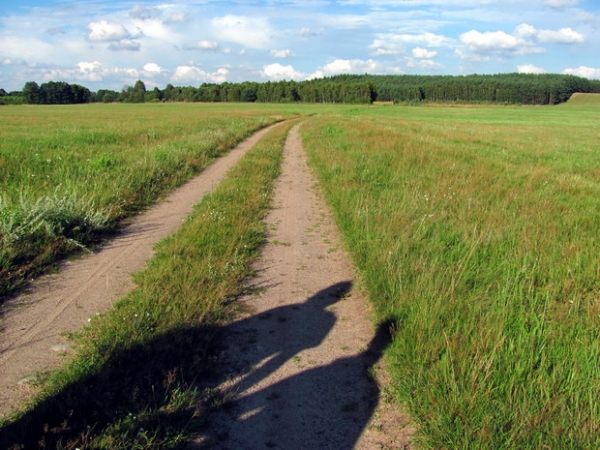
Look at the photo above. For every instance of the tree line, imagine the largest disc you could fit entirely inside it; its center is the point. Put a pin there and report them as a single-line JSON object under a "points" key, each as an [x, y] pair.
{"points": [[529, 89]]}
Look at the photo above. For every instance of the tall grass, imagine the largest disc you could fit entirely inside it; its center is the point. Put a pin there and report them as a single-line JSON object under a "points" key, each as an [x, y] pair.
{"points": [[476, 231], [70, 174], [142, 374]]}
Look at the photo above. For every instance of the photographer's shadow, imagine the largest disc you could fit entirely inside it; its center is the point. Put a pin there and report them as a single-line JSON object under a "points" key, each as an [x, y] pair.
{"points": [[321, 406]]}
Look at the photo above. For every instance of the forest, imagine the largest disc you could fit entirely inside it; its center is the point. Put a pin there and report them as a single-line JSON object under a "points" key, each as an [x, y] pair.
{"points": [[527, 89]]}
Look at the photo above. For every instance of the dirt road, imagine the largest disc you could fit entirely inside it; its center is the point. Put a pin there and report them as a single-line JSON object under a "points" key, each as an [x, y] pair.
{"points": [[297, 361]]}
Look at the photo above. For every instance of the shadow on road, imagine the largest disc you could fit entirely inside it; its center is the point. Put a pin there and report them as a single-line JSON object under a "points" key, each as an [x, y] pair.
{"points": [[320, 405], [137, 388]]}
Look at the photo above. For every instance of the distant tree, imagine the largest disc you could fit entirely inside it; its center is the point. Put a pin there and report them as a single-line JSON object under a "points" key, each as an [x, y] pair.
{"points": [[32, 93], [106, 96], [138, 93]]}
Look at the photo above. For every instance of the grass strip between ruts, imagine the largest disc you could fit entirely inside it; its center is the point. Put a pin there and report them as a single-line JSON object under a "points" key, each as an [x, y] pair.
{"points": [[141, 376]]}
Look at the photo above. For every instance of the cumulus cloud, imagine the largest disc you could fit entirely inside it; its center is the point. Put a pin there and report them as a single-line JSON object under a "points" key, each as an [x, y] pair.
{"points": [[583, 71], [525, 40], [152, 69], [340, 66], [286, 53], [107, 31], [87, 67], [562, 36], [253, 32], [491, 41], [529, 68], [193, 75], [279, 72], [494, 43], [423, 53]]}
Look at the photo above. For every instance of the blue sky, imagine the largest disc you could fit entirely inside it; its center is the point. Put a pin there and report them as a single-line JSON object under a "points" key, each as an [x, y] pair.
{"points": [[111, 44]]}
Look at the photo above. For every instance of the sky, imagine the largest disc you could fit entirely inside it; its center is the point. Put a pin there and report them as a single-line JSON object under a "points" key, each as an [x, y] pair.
{"points": [[110, 44]]}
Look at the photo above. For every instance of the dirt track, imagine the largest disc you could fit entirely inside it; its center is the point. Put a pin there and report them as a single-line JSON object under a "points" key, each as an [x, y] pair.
{"points": [[297, 360], [34, 323]]}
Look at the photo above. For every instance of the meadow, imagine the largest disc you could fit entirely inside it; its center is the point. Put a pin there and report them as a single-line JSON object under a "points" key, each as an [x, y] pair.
{"points": [[476, 231], [473, 229], [69, 175]]}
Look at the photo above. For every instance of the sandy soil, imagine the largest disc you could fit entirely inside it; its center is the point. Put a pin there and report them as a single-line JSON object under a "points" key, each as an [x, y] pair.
{"points": [[33, 324], [297, 361]]}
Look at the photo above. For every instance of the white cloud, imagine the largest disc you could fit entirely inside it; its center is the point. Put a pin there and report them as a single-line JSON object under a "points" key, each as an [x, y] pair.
{"points": [[207, 45], [380, 47], [155, 29], [562, 36], [529, 68], [152, 69], [107, 31], [87, 67], [494, 43], [279, 72], [583, 71], [253, 32], [193, 74], [357, 66], [286, 53], [423, 53], [490, 41]]}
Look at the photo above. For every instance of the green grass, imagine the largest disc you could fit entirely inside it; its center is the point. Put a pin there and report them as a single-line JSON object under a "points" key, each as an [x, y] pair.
{"points": [[142, 374], [476, 231], [68, 175], [473, 228]]}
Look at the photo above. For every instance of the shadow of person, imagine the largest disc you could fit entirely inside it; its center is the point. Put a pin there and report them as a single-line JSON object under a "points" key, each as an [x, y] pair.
{"points": [[257, 346], [321, 407], [139, 387]]}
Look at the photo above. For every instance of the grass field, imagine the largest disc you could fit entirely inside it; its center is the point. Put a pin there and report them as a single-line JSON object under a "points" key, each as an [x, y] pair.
{"points": [[70, 174], [475, 229]]}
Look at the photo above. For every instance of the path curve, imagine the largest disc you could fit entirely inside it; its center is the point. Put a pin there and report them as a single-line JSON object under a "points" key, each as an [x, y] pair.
{"points": [[297, 360], [33, 323]]}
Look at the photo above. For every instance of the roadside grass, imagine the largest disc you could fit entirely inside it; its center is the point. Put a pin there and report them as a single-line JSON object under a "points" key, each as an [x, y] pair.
{"points": [[476, 230], [69, 175], [141, 377]]}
